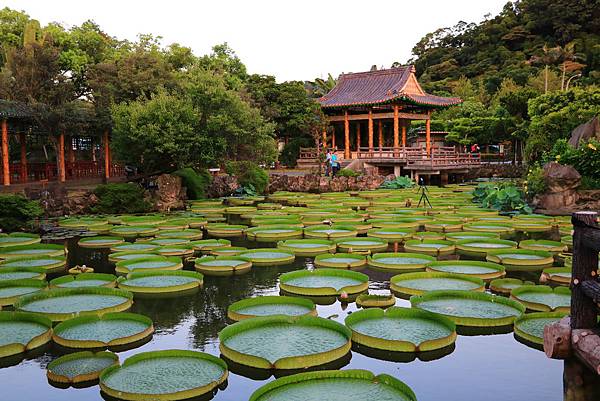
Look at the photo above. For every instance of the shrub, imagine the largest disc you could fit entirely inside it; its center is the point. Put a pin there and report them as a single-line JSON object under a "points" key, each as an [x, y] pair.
{"points": [[588, 182], [585, 159], [398, 183], [249, 174], [535, 183], [195, 183], [291, 151], [16, 212], [120, 198], [505, 197], [346, 172]]}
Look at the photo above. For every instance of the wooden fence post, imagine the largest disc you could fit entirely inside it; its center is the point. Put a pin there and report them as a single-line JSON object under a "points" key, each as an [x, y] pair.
{"points": [[585, 267]]}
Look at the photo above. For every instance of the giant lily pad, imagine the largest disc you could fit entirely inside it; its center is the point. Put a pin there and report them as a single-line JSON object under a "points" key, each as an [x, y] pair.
{"points": [[479, 248], [284, 342], [190, 234], [64, 303], [109, 330], [375, 300], [341, 260], [160, 282], [390, 234], [135, 247], [32, 250], [225, 230], [468, 308], [134, 231], [542, 298], [444, 226], [14, 239], [85, 280], [504, 286], [557, 275], [330, 232], [521, 259], [470, 235], [222, 265], [347, 385], [408, 284], [487, 227], [80, 367], [11, 290], [430, 247], [401, 329], [359, 245], [323, 282], [149, 263], [268, 256], [400, 261], [142, 376], [272, 233], [543, 245], [21, 332], [208, 245], [530, 326], [473, 268], [100, 242], [307, 247], [51, 264], [19, 273], [270, 305], [130, 255]]}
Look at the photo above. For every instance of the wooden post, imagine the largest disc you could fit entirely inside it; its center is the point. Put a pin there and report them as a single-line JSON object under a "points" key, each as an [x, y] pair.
{"points": [[5, 161], [61, 158], [396, 127], [380, 131], [333, 139], [585, 267], [370, 130], [325, 138], [358, 136], [346, 136], [106, 155], [428, 135], [23, 143], [404, 133]]}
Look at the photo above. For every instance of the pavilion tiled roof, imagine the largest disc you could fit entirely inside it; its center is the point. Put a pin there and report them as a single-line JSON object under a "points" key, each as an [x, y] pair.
{"points": [[382, 86]]}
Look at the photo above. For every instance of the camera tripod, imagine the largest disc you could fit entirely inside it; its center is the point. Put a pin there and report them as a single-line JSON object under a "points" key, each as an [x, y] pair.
{"points": [[424, 198]]}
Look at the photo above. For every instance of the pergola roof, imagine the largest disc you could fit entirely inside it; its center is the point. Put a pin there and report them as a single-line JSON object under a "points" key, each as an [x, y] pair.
{"points": [[14, 110], [394, 85]]}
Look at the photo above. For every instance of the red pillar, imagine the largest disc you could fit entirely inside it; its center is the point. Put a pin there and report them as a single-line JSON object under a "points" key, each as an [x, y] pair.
{"points": [[61, 158], [380, 132], [428, 134], [370, 130], [23, 142], [396, 125], [404, 124], [5, 161], [106, 155], [346, 136], [358, 136]]}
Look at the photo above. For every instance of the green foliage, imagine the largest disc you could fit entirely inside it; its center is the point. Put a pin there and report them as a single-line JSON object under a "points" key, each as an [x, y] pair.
{"points": [[585, 159], [505, 197], [16, 212], [535, 183], [291, 151], [120, 198], [249, 175], [588, 182], [398, 183], [346, 172], [195, 183]]}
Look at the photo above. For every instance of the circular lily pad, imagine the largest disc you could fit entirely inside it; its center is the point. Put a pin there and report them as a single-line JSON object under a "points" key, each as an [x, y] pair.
{"points": [[307, 247], [323, 282], [530, 326], [220, 230], [135, 247], [341, 260], [80, 367], [390, 234], [270, 305], [160, 282], [63, 303], [152, 262], [182, 251], [108, 330], [557, 275], [174, 224], [360, 245], [130, 255], [268, 256], [228, 251], [190, 234], [347, 385], [504, 286], [285, 342], [168, 241], [400, 261], [82, 222], [142, 376], [11, 290], [134, 231], [521, 259], [444, 226], [430, 247], [531, 226], [51, 264], [470, 235], [487, 227], [472, 268], [21, 332], [375, 301], [32, 250], [543, 245], [148, 220], [428, 235], [273, 233], [330, 232], [14, 239], [468, 308], [479, 248], [85, 280], [222, 265], [100, 242], [542, 298], [408, 284], [19, 273], [401, 329], [208, 245]]}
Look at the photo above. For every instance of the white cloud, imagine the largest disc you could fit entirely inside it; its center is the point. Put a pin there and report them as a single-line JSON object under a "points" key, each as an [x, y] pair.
{"points": [[291, 39]]}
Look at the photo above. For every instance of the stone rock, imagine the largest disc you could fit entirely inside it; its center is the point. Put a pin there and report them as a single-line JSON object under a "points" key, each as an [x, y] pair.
{"points": [[222, 185], [169, 194], [318, 184], [560, 178]]}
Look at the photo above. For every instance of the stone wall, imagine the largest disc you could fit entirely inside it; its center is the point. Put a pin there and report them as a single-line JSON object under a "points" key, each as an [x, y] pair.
{"points": [[318, 184], [57, 200], [496, 170]]}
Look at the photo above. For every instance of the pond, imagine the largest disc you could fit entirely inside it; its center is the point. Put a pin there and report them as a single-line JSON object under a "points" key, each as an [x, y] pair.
{"points": [[494, 367]]}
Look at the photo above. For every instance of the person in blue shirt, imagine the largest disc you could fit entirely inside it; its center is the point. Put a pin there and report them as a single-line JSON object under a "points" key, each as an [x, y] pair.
{"points": [[334, 165]]}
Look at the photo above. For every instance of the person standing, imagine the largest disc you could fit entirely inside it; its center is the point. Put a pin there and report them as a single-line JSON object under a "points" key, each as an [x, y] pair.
{"points": [[327, 163], [334, 164]]}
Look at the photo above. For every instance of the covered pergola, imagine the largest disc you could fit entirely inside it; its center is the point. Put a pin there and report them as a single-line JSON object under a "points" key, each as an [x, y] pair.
{"points": [[388, 99], [38, 146]]}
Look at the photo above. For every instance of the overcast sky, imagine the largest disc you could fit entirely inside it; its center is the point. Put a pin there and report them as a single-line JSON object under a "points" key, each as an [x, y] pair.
{"points": [[291, 39]]}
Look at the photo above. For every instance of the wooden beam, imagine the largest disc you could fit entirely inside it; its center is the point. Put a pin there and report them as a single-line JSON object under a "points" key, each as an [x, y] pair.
{"points": [[106, 155], [404, 124], [346, 136], [23, 143], [357, 136], [370, 130], [585, 267], [5, 155], [428, 137], [333, 139], [61, 158], [396, 125], [379, 116], [380, 132], [325, 138]]}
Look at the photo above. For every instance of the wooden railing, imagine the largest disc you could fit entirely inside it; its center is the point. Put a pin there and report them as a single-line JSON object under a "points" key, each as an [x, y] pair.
{"points": [[74, 171], [579, 335], [308, 153]]}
